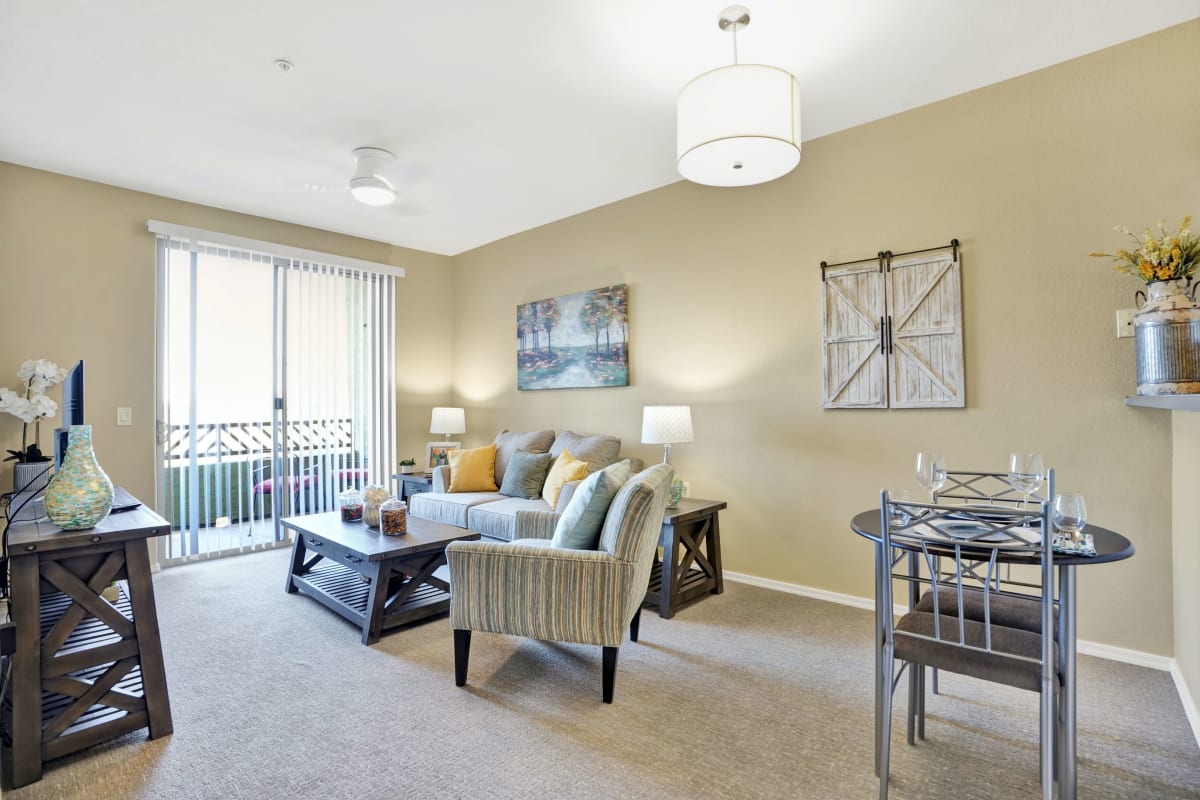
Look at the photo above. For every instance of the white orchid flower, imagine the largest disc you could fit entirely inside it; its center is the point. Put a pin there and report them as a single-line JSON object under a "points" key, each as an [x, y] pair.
{"points": [[22, 408], [41, 370]]}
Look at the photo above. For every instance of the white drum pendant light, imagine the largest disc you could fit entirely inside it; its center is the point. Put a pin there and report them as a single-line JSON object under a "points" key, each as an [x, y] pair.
{"points": [[738, 125]]}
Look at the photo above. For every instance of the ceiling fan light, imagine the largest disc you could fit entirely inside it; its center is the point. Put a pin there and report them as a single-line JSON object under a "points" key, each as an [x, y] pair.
{"points": [[738, 126], [372, 190]]}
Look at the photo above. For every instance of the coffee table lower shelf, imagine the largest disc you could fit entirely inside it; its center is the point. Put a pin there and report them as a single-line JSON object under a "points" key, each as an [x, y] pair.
{"points": [[344, 591]]}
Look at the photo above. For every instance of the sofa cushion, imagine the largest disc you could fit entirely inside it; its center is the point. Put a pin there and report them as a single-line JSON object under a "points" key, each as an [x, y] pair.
{"points": [[597, 451], [473, 470], [566, 468], [579, 526], [508, 443], [497, 519], [449, 508], [526, 474]]}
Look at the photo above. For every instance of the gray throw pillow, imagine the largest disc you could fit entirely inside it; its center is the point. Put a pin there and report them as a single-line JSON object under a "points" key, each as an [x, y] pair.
{"points": [[525, 475], [597, 451], [508, 443]]}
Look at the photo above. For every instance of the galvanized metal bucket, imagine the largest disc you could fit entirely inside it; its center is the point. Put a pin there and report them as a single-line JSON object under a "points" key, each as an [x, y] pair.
{"points": [[1166, 333]]}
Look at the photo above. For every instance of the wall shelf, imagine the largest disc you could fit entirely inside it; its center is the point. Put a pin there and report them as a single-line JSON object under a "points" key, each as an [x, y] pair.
{"points": [[1171, 402]]}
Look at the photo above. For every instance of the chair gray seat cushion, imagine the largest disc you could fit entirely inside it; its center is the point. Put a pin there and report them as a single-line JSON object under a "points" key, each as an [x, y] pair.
{"points": [[498, 519], [450, 508], [947, 655], [1024, 613]]}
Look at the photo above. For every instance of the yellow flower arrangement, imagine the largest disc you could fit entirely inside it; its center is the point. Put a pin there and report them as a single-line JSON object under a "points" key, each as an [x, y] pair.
{"points": [[1165, 257]]}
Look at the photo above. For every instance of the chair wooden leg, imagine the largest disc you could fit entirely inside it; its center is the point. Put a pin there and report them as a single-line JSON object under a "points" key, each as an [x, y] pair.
{"points": [[610, 672], [634, 624], [462, 651]]}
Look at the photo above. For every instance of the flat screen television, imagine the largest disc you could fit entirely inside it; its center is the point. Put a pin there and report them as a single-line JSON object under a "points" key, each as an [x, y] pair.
{"points": [[72, 411]]}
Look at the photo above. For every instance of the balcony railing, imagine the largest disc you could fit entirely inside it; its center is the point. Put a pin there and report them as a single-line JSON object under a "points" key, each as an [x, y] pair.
{"points": [[234, 479]]}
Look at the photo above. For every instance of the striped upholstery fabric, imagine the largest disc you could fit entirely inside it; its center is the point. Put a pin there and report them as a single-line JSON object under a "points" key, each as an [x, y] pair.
{"points": [[449, 508], [535, 525], [497, 519], [581, 596]]}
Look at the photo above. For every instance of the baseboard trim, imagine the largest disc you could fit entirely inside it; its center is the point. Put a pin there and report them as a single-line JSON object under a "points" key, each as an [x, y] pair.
{"points": [[1097, 649], [1185, 697], [803, 591], [1108, 651], [1124, 655]]}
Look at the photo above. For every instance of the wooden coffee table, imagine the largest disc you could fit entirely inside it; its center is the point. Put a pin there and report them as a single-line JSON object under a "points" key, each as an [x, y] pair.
{"points": [[331, 557]]}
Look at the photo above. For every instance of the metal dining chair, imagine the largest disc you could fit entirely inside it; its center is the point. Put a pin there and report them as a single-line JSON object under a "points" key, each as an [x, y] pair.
{"points": [[967, 613]]}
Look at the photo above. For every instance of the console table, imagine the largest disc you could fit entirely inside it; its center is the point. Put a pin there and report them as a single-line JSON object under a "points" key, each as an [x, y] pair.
{"points": [[84, 669], [690, 567]]}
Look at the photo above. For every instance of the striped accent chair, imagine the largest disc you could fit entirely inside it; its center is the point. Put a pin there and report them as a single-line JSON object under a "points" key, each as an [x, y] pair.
{"points": [[528, 588]]}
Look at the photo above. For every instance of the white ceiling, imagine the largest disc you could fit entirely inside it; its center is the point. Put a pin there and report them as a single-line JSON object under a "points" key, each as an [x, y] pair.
{"points": [[504, 115]]}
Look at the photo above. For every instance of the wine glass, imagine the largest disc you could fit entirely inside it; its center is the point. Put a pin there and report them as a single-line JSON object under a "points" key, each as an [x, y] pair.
{"points": [[931, 473], [1070, 515], [1026, 473], [898, 515]]}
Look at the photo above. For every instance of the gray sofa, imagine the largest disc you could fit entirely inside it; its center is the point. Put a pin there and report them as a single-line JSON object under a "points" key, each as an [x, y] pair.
{"points": [[497, 516]]}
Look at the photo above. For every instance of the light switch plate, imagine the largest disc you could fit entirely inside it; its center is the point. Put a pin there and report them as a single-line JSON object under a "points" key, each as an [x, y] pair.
{"points": [[124, 415], [687, 489], [1125, 322]]}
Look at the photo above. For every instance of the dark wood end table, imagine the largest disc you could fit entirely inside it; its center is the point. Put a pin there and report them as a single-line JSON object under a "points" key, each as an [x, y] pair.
{"points": [[329, 556], [84, 669], [413, 483], [690, 567]]}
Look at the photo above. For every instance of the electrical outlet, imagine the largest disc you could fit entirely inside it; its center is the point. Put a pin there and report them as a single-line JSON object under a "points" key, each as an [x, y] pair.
{"points": [[124, 415], [687, 489], [1125, 322]]}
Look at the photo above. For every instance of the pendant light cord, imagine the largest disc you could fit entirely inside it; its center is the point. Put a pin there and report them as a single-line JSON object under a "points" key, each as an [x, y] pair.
{"points": [[735, 54]]}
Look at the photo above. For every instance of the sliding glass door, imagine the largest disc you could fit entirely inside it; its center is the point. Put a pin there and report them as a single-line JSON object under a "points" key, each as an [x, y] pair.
{"points": [[276, 392]]}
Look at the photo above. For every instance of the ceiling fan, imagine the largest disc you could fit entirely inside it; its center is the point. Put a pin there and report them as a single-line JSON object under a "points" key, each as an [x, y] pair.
{"points": [[371, 183]]}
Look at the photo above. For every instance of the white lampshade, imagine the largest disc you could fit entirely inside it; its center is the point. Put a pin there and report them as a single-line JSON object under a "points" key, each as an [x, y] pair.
{"points": [[739, 125], [666, 424], [448, 420]]}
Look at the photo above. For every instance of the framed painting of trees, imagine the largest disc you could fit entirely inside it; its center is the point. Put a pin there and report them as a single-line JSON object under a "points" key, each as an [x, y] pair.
{"points": [[574, 340]]}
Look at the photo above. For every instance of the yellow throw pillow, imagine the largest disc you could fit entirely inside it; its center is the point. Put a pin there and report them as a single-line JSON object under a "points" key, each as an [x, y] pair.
{"points": [[473, 470], [566, 468]]}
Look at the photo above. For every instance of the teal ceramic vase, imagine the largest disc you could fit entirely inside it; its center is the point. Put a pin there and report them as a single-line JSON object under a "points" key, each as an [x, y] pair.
{"points": [[79, 494]]}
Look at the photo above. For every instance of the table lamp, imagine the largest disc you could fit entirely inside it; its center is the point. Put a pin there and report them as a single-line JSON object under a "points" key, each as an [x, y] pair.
{"points": [[448, 421], [668, 425]]}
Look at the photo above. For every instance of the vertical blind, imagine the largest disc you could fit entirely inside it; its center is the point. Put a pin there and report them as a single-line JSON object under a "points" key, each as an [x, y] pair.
{"points": [[276, 384]]}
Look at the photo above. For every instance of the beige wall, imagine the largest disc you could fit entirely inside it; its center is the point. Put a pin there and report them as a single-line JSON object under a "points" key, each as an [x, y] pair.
{"points": [[77, 276], [1030, 175], [1186, 546]]}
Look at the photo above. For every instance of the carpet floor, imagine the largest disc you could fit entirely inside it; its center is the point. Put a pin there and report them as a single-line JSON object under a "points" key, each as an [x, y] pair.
{"points": [[752, 694]]}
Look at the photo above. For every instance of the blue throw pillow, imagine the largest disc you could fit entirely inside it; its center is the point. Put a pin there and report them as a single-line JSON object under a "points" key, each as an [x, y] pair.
{"points": [[579, 526]]}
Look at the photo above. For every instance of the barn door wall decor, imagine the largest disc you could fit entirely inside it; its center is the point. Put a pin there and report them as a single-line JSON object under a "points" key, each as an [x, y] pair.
{"points": [[892, 331]]}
